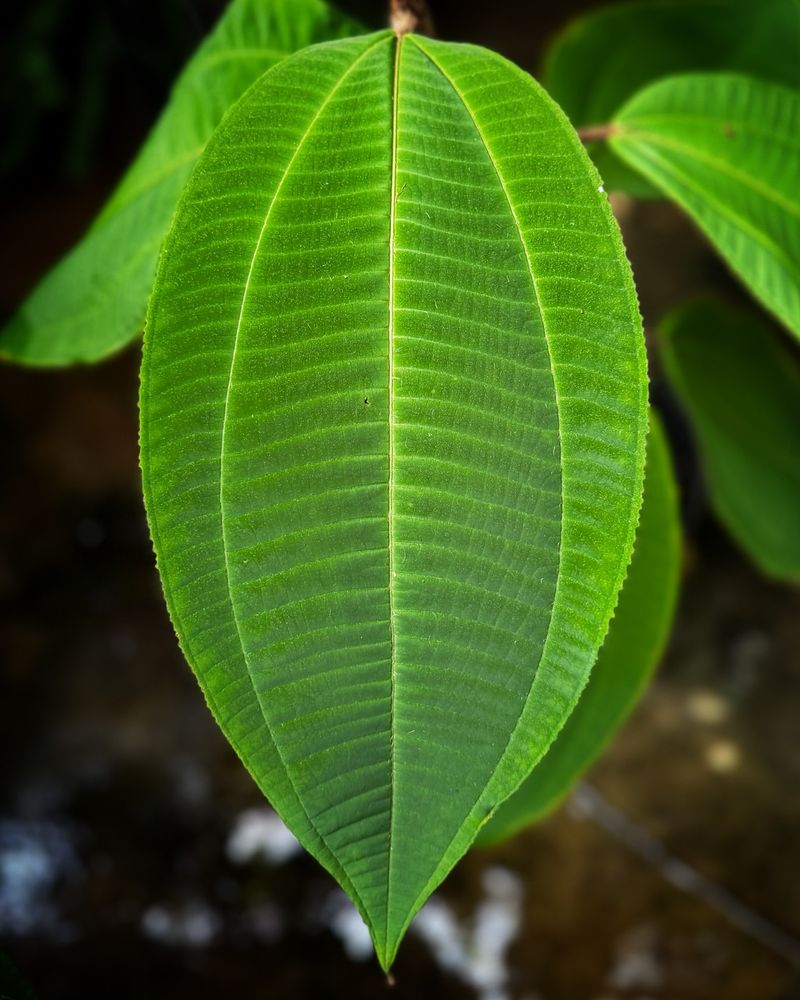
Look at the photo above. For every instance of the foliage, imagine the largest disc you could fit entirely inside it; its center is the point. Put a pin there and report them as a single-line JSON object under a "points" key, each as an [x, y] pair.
{"points": [[94, 301], [727, 149], [603, 58], [394, 397], [742, 390]]}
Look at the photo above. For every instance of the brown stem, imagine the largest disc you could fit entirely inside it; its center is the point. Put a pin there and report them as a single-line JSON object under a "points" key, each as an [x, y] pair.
{"points": [[406, 16], [596, 133]]}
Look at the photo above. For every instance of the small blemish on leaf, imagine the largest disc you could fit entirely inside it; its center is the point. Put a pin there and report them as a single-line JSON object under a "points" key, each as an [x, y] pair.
{"points": [[366, 401], [729, 132]]}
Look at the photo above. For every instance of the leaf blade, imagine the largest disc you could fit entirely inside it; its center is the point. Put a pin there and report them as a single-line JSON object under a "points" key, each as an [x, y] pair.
{"points": [[742, 391], [726, 149], [378, 368], [93, 302], [631, 651]]}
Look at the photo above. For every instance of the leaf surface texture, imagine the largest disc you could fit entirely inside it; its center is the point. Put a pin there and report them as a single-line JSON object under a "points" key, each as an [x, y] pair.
{"points": [[630, 653], [393, 427]]}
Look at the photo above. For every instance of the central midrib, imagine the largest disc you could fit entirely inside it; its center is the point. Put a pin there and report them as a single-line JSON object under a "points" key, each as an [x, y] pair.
{"points": [[390, 480]]}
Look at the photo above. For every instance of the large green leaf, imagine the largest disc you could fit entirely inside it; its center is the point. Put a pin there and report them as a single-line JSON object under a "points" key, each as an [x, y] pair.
{"points": [[742, 391], [94, 301], [727, 149], [633, 647], [603, 58], [393, 427]]}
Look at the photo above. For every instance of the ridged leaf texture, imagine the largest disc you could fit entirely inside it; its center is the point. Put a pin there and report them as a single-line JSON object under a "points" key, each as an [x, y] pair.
{"points": [[631, 651], [727, 150], [741, 388], [393, 429], [603, 58], [94, 301]]}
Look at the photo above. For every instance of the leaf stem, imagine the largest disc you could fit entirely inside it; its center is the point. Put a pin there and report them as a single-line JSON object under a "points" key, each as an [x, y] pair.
{"points": [[406, 16], [597, 133]]}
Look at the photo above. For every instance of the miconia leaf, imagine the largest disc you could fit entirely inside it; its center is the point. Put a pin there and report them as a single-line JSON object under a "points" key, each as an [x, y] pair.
{"points": [[634, 644], [727, 150], [393, 428], [601, 59], [742, 391], [94, 301]]}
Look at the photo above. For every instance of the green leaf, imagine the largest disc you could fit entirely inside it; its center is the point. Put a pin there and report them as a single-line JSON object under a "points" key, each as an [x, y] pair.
{"points": [[630, 653], [393, 427], [94, 301], [727, 150], [600, 60], [742, 391]]}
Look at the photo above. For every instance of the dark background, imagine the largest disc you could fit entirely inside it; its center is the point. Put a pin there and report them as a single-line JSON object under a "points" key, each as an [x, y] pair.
{"points": [[119, 795]]}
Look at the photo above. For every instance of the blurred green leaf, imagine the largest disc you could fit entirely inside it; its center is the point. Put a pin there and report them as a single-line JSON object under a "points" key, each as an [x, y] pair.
{"points": [[742, 391], [393, 418], [632, 649], [93, 302], [603, 58], [727, 150]]}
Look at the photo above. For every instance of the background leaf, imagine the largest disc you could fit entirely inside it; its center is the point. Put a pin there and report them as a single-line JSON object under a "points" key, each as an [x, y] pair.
{"points": [[93, 302], [630, 653], [393, 428], [742, 391], [727, 150], [602, 59]]}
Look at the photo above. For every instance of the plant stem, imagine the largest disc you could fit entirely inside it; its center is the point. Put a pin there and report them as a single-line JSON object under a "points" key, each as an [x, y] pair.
{"points": [[406, 16], [596, 133]]}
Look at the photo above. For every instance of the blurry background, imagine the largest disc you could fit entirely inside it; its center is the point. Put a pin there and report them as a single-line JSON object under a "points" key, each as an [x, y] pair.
{"points": [[136, 857]]}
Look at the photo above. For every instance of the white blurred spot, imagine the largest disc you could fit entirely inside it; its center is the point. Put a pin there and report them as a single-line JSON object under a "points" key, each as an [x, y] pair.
{"points": [[260, 833], [601, 189], [346, 923], [194, 925], [476, 951], [34, 859]]}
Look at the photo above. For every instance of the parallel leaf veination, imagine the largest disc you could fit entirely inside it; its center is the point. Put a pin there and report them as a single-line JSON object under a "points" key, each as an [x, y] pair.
{"points": [[374, 515]]}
